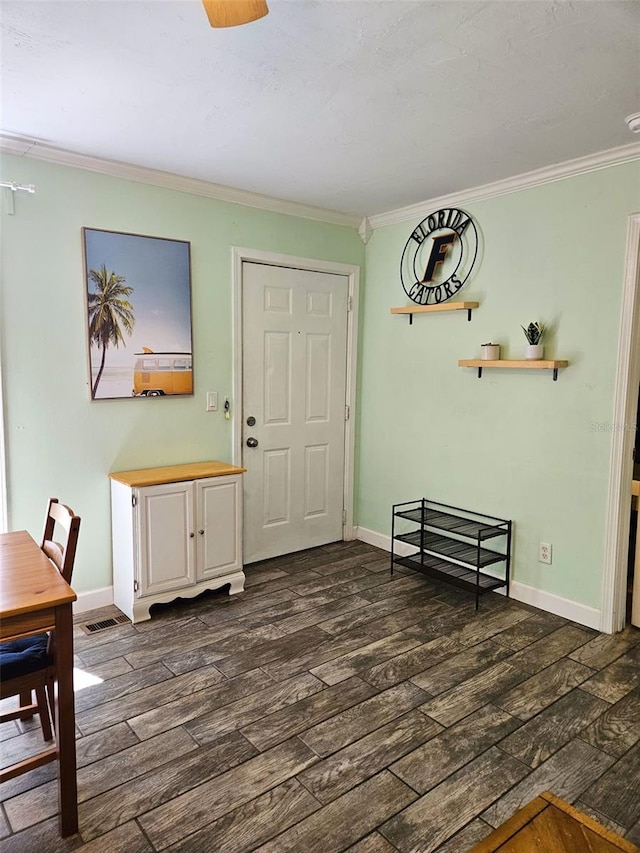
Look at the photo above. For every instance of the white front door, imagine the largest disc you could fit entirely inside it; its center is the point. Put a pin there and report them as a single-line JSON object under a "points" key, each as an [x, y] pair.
{"points": [[294, 378]]}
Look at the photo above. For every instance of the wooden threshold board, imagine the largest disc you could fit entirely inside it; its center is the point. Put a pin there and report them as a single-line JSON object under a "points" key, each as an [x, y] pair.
{"points": [[549, 823]]}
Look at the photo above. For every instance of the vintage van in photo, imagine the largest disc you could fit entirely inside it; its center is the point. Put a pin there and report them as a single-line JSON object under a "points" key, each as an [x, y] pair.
{"points": [[156, 374]]}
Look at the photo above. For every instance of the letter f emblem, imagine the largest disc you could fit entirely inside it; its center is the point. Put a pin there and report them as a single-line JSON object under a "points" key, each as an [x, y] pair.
{"points": [[439, 248]]}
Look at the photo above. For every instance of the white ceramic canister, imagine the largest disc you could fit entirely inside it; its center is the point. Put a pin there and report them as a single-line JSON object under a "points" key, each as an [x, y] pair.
{"points": [[490, 352]]}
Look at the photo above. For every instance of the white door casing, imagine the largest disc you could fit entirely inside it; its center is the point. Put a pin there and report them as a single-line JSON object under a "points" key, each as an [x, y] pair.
{"points": [[298, 489], [3, 460], [616, 548]]}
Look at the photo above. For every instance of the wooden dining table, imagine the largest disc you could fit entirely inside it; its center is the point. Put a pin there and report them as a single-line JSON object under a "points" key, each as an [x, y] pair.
{"points": [[35, 598]]}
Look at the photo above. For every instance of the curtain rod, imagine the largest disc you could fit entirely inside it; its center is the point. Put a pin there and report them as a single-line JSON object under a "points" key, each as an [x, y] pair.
{"points": [[11, 185]]}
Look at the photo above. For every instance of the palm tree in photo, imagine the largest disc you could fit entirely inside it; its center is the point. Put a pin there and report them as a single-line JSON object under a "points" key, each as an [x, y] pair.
{"points": [[109, 313]]}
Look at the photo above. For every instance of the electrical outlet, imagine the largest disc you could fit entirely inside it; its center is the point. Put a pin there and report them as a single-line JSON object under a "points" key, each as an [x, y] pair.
{"points": [[544, 552]]}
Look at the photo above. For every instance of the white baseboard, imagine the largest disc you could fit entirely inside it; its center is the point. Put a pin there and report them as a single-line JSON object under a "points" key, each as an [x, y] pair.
{"points": [[556, 604], [379, 540], [93, 599], [565, 607]]}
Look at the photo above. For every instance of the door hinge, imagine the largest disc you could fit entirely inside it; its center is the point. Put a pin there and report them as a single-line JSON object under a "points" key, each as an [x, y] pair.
{"points": [[344, 516], [349, 303], [136, 586], [134, 500], [347, 412]]}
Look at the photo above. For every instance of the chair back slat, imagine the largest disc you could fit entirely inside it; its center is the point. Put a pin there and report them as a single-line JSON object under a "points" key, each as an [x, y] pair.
{"points": [[61, 518]]}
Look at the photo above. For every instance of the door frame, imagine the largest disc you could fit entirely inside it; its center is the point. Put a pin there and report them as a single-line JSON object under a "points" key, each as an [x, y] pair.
{"points": [[3, 459], [616, 549], [352, 273]]}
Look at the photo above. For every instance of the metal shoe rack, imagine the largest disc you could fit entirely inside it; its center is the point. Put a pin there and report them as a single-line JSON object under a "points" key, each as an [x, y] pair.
{"points": [[450, 543]]}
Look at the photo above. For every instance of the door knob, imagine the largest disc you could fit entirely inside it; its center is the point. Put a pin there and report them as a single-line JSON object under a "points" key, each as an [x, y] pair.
{"points": [[252, 442]]}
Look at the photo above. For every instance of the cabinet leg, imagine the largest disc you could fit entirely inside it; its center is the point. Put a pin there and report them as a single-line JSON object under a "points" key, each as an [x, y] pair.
{"points": [[236, 585], [141, 611]]}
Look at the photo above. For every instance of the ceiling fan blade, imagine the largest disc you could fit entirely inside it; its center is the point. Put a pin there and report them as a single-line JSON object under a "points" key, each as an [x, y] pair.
{"points": [[232, 13]]}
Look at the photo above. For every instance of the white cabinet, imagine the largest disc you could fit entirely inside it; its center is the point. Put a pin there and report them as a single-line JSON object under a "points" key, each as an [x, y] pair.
{"points": [[175, 537]]}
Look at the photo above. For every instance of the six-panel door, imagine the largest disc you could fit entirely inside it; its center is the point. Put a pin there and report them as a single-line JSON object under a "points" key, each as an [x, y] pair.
{"points": [[294, 386]]}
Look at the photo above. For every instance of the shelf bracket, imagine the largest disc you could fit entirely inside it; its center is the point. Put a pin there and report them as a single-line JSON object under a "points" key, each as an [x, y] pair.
{"points": [[479, 373], [469, 313]]}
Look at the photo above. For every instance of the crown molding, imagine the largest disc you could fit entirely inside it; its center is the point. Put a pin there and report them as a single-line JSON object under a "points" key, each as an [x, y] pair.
{"points": [[41, 151], [25, 147], [365, 230], [536, 178]]}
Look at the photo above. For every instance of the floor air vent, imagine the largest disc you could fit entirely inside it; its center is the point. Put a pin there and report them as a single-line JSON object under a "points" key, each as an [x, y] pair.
{"points": [[94, 627]]}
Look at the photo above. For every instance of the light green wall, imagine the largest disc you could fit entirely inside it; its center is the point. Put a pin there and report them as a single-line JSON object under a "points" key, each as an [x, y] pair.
{"points": [[513, 444], [60, 443]]}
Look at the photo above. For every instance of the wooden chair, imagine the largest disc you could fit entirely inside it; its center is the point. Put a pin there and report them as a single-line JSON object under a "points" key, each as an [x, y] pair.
{"points": [[27, 665]]}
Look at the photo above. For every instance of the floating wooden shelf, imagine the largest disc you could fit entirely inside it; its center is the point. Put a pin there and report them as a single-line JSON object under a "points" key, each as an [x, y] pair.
{"points": [[520, 364], [428, 309]]}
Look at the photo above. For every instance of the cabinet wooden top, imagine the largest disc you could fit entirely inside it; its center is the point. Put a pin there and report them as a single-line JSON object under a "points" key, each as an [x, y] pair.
{"points": [[175, 473]]}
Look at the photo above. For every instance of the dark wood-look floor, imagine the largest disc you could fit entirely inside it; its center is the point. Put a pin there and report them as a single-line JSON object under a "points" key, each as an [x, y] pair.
{"points": [[332, 708]]}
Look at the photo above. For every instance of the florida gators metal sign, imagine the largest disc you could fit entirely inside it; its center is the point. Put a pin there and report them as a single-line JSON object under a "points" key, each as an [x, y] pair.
{"points": [[438, 256]]}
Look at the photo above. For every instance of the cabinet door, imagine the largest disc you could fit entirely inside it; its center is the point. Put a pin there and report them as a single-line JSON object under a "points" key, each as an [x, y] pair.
{"points": [[166, 544], [218, 501]]}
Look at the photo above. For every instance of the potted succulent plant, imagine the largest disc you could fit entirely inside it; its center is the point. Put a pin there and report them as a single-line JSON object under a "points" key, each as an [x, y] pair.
{"points": [[534, 333]]}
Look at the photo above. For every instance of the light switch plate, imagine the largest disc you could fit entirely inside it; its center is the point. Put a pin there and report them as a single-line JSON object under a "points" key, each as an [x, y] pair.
{"points": [[212, 401]]}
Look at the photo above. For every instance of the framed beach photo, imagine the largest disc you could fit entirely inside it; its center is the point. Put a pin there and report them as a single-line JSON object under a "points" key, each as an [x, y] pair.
{"points": [[138, 297]]}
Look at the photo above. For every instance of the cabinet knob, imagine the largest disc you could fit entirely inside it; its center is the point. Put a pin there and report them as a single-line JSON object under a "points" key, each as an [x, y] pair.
{"points": [[191, 535], [201, 532]]}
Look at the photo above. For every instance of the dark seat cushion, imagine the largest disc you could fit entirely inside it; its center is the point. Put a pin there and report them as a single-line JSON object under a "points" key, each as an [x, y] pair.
{"points": [[20, 657]]}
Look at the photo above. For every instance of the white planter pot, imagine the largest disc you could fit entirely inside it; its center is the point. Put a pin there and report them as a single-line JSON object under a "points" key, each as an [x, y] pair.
{"points": [[534, 352], [490, 352]]}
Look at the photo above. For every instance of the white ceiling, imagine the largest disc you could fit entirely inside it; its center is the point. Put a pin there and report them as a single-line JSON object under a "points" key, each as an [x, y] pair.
{"points": [[357, 106]]}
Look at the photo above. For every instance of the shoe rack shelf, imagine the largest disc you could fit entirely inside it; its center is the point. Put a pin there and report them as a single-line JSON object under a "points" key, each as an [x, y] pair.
{"points": [[451, 544]]}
